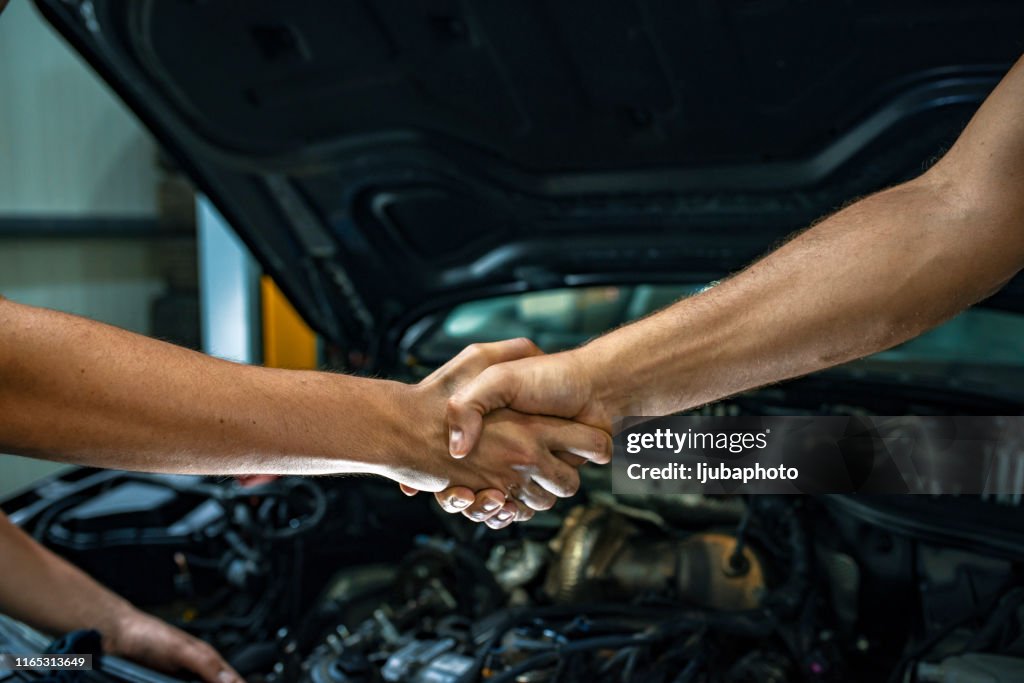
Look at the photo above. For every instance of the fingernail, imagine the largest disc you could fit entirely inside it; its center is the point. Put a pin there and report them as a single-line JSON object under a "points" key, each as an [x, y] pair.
{"points": [[458, 503], [504, 515], [226, 677], [455, 441], [491, 505]]}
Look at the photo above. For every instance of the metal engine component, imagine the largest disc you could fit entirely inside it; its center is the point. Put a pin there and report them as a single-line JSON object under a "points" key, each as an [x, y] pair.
{"points": [[427, 661], [515, 565], [599, 554], [608, 592]]}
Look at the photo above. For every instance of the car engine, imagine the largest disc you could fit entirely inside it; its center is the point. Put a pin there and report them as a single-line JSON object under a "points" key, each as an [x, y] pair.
{"points": [[347, 581]]}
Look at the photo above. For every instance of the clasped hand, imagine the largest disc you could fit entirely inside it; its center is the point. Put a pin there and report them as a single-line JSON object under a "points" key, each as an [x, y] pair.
{"points": [[519, 425]]}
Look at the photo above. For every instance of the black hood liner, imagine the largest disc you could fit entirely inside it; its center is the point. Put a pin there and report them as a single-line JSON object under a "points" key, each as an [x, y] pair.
{"points": [[386, 158]]}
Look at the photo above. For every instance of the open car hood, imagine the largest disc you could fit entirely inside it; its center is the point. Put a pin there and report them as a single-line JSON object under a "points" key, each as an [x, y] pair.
{"points": [[382, 159]]}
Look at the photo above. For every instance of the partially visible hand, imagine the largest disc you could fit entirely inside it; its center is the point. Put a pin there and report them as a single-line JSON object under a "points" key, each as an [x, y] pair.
{"points": [[151, 642], [552, 447], [557, 385], [471, 361]]}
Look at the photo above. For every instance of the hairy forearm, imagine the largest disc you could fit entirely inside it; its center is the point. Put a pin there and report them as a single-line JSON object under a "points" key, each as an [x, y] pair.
{"points": [[875, 274], [50, 594], [83, 392]]}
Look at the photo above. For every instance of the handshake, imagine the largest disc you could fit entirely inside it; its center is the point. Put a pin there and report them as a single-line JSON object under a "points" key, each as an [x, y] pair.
{"points": [[518, 424]]}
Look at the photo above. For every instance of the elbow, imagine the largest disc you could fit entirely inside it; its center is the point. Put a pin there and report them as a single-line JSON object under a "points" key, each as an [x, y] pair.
{"points": [[976, 236], [982, 221]]}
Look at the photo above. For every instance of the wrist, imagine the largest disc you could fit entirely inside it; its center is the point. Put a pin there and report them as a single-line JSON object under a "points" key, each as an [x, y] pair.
{"points": [[116, 623], [418, 429], [370, 425], [600, 362]]}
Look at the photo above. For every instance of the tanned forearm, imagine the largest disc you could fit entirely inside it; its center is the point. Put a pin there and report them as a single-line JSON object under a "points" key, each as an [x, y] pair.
{"points": [[83, 392], [50, 594], [875, 274], [78, 391]]}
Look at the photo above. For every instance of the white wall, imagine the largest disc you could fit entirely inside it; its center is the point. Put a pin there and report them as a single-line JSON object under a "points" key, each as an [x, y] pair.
{"points": [[109, 280], [68, 148], [67, 145]]}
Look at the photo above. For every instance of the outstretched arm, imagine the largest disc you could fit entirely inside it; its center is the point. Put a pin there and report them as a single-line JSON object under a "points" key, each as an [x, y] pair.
{"points": [[76, 390], [875, 274], [48, 593]]}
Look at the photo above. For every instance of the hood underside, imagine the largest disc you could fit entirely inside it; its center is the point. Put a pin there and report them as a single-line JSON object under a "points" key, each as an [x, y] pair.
{"points": [[382, 159]]}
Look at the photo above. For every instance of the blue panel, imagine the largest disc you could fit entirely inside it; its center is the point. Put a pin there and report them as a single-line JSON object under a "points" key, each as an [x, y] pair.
{"points": [[228, 289]]}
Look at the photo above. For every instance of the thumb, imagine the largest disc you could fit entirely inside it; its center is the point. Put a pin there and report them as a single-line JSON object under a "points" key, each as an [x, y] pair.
{"points": [[408, 490], [476, 358], [493, 388]]}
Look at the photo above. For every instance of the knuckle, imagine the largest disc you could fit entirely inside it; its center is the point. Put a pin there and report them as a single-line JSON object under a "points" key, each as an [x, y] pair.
{"points": [[527, 344], [496, 374], [207, 658], [523, 459]]}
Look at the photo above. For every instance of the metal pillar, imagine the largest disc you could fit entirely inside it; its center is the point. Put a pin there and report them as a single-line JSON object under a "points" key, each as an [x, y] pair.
{"points": [[228, 289]]}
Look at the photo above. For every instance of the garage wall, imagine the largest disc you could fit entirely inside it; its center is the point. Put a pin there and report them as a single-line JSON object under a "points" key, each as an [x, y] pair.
{"points": [[69, 152], [67, 145], [109, 280]]}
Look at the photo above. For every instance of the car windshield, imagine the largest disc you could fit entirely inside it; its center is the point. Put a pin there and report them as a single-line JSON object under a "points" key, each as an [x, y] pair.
{"points": [[978, 339]]}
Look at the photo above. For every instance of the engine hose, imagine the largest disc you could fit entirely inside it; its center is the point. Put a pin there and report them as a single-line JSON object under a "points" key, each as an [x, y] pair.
{"points": [[285, 488], [546, 658], [515, 616], [753, 624]]}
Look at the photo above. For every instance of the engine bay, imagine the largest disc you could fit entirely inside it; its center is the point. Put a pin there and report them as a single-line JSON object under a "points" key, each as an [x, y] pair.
{"points": [[336, 580]]}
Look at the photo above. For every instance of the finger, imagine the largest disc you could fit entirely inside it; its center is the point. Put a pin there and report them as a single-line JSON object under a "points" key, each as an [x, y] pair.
{"points": [[476, 358], [525, 514], [408, 490], [229, 675], [488, 504], [455, 498], [203, 660], [536, 497], [570, 459], [556, 477], [594, 445], [505, 516], [493, 388]]}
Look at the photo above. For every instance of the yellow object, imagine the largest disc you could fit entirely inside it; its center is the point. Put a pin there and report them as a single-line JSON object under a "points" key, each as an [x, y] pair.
{"points": [[288, 342]]}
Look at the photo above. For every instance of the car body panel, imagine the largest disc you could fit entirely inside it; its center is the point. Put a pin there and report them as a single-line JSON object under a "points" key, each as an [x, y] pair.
{"points": [[383, 160]]}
